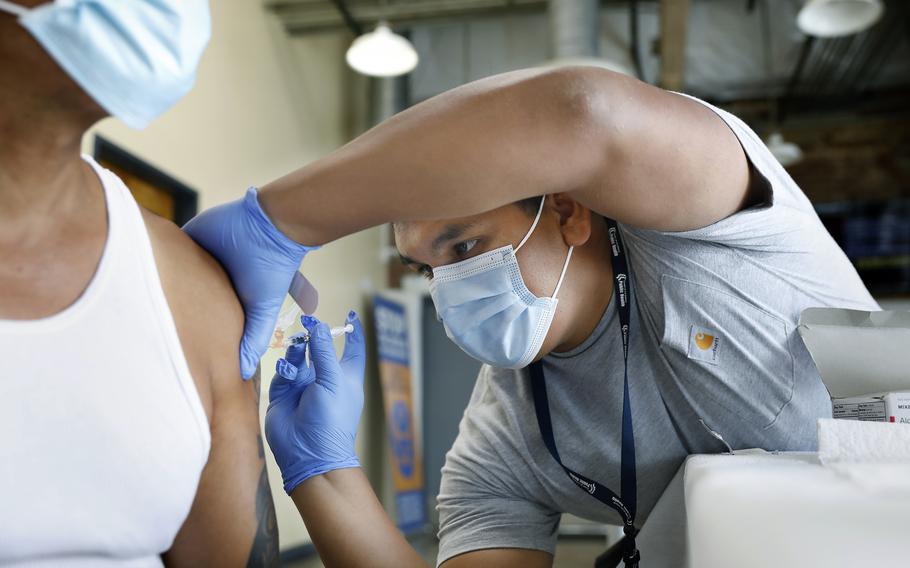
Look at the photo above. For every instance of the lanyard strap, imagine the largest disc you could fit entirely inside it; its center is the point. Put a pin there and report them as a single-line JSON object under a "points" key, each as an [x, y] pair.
{"points": [[625, 504]]}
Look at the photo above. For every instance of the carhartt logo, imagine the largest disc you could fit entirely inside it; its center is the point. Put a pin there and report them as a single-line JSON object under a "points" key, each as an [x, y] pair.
{"points": [[704, 341], [704, 345]]}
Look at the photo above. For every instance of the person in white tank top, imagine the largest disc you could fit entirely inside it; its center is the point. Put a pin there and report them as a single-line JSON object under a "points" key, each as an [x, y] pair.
{"points": [[128, 437]]}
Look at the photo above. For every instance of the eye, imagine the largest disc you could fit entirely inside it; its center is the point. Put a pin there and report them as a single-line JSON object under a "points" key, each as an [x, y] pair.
{"points": [[464, 247], [424, 270]]}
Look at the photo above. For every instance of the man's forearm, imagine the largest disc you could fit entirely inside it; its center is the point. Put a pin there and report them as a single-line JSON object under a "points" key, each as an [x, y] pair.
{"points": [[348, 525], [469, 150]]}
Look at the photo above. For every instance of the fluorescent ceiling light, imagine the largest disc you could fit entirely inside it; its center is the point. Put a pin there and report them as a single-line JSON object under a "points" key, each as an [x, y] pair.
{"points": [[382, 53], [833, 18], [787, 153]]}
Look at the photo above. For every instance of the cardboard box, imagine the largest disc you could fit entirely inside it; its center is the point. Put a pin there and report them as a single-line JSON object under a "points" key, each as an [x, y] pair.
{"points": [[863, 359]]}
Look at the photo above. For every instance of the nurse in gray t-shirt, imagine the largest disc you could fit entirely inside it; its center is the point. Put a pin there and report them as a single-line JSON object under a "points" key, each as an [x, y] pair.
{"points": [[501, 192], [713, 318]]}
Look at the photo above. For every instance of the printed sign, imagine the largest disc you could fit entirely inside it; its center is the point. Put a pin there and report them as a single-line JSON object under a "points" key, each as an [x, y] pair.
{"points": [[395, 374]]}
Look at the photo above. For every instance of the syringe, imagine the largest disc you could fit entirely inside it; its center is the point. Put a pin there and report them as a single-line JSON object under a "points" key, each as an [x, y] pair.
{"points": [[304, 336]]}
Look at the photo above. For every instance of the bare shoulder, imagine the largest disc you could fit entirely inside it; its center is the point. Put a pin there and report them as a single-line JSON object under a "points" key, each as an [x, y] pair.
{"points": [[232, 520], [206, 311]]}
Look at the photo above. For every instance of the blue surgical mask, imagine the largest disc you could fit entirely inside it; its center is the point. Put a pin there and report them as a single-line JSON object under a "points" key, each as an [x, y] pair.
{"points": [[136, 58], [487, 309]]}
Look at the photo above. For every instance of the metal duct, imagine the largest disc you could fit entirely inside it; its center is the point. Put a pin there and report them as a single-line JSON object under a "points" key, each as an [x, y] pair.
{"points": [[575, 28]]}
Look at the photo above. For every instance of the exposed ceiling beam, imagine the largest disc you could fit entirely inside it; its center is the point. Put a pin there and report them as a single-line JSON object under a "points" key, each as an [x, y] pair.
{"points": [[674, 19], [304, 16], [348, 18]]}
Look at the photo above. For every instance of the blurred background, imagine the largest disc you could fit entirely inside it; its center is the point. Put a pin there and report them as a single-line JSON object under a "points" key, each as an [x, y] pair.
{"points": [[283, 82]]}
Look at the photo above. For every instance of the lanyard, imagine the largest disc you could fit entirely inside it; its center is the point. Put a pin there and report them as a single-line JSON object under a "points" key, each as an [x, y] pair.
{"points": [[625, 504]]}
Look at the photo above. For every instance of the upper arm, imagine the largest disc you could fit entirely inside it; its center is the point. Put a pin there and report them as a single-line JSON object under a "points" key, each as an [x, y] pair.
{"points": [[232, 519], [501, 558], [668, 162], [478, 523], [491, 507]]}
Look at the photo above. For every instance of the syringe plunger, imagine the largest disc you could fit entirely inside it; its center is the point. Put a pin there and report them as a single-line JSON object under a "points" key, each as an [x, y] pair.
{"points": [[304, 336]]}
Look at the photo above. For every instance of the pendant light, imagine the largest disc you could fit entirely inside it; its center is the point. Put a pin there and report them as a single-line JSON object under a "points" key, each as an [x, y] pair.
{"points": [[382, 53], [787, 153], [834, 18]]}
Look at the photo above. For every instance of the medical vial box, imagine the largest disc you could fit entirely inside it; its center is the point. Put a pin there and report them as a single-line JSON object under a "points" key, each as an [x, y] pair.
{"points": [[887, 407]]}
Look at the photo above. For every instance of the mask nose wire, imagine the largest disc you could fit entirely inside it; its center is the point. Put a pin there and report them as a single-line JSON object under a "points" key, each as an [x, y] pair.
{"points": [[12, 8]]}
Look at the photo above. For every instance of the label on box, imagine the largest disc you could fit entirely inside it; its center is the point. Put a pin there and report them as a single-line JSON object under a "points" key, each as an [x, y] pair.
{"points": [[885, 407], [859, 409]]}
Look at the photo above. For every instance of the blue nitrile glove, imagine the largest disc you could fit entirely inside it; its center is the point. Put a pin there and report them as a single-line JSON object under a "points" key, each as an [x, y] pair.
{"points": [[260, 260], [313, 411]]}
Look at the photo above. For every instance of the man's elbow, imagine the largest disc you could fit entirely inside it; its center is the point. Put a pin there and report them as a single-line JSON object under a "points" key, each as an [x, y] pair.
{"points": [[584, 91], [585, 123]]}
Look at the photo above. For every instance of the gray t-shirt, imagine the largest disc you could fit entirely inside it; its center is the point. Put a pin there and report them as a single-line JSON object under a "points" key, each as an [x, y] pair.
{"points": [[714, 314]]}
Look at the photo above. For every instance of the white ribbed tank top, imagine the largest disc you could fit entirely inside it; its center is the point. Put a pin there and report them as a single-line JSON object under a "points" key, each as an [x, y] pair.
{"points": [[102, 433]]}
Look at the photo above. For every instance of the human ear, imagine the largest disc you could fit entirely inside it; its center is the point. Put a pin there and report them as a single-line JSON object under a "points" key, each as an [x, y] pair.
{"points": [[574, 219]]}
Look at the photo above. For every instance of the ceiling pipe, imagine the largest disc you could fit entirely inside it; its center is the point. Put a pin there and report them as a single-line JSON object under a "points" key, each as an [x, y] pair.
{"points": [[575, 35], [575, 27], [633, 40]]}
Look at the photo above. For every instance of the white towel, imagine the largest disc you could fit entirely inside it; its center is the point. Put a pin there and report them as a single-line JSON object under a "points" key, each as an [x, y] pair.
{"points": [[854, 441], [873, 455]]}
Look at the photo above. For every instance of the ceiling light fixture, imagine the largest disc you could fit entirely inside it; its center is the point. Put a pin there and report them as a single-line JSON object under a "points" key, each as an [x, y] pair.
{"points": [[787, 153], [834, 18], [382, 53]]}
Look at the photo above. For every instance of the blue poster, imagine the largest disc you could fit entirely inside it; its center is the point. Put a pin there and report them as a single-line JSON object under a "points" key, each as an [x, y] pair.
{"points": [[395, 374]]}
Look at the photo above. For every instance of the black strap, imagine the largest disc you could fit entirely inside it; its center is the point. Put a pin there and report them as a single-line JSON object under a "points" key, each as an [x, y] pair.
{"points": [[620, 551], [625, 504]]}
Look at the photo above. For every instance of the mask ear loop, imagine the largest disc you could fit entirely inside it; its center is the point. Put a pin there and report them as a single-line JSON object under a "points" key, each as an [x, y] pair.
{"points": [[12, 8], [562, 275], [565, 266], [527, 236]]}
